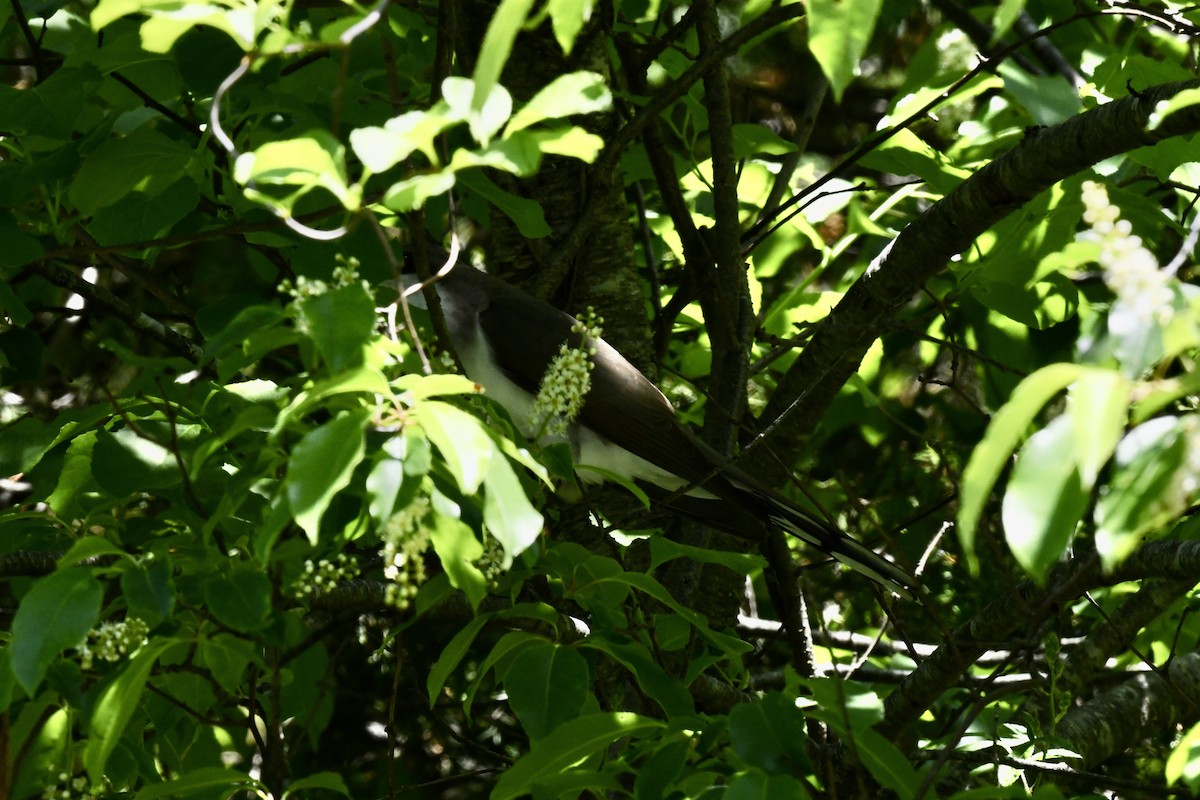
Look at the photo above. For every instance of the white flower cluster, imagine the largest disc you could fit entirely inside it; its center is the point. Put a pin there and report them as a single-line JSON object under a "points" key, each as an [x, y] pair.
{"points": [[566, 383], [344, 274], [69, 788], [1130, 270], [325, 574], [405, 539], [112, 641], [491, 563]]}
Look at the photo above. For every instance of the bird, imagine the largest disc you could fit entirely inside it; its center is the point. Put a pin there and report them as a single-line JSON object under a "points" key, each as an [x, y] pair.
{"points": [[505, 340]]}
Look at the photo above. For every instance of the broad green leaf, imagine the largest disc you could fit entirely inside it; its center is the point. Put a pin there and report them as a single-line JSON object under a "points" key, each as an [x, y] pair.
{"points": [[1165, 108], [322, 464], [507, 512], [315, 160], [458, 548], [838, 33], [1005, 431], [412, 193], [526, 214], [462, 440], [115, 707], [145, 160], [240, 597], [506, 23], [149, 589], [1147, 489], [330, 781], [567, 18], [573, 741], [380, 149], [1184, 761], [17, 248], [887, 764], [451, 656], [665, 690], [1045, 499], [565, 96], [140, 216], [87, 547], [547, 686], [751, 139], [906, 154], [756, 785], [661, 769], [422, 387], [128, 461], [1005, 15], [56, 613], [1048, 98], [226, 658], [75, 477], [1097, 405], [663, 550], [573, 142], [205, 779], [485, 119], [383, 486], [340, 322], [509, 644], [770, 734]]}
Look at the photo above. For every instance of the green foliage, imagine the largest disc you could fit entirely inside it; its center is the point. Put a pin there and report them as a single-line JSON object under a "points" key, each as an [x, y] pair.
{"points": [[255, 539]]}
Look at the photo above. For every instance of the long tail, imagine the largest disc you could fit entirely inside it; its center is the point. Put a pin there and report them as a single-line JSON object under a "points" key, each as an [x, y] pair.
{"points": [[833, 542]]}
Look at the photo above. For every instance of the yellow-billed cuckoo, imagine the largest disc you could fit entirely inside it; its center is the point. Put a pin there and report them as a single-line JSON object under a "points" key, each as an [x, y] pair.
{"points": [[506, 339]]}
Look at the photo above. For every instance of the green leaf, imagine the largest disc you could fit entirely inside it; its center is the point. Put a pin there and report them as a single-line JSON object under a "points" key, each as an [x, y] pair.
{"points": [[205, 779], [458, 548], [567, 18], [145, 160], [547, 685], [1146, 491], [17, 248], [380, 149], [770, 734], [315, 160], [1004, 432], [526, 214], [484, 119], [453, 653], [1098, 404], [1045, 499], [1165, 108], [330, 781], [240, 598], [149, 589], [1005, 15], [573, 741], [887, 764], [750, 139], [755, 785], [412, 193], [565, 96], [462, 440], [56, 613], [838, 33], [127, 461], [341, 323], [115, 707], [656, 684], [502, 31], [507, 512], [1184, 761], [573, 142], [322, 464], [509, 643]]}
